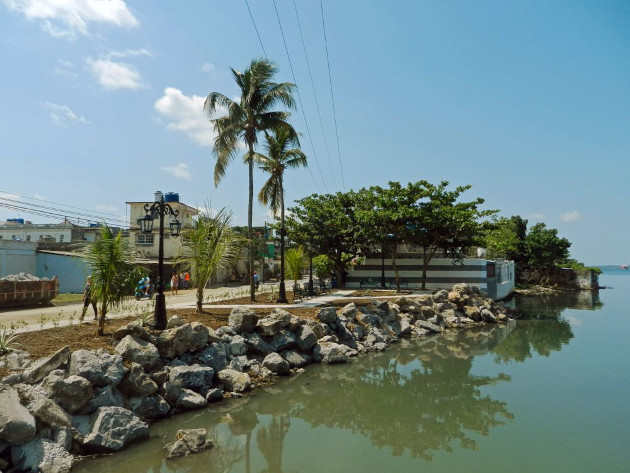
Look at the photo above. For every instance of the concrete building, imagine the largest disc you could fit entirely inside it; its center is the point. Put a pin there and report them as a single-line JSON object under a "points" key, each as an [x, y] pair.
{"points": [[20, 230]]}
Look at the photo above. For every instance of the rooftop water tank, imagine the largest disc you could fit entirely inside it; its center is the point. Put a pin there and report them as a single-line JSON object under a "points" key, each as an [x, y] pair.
{"points": [[15, 220], [171, 197]]}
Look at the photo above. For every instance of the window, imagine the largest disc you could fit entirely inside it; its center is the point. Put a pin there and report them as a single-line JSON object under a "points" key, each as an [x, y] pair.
{"points": [[144, 238], [60, 238], [28, 238]]}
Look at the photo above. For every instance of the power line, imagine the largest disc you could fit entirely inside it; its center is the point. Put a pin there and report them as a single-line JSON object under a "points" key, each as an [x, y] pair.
{"points": [[308, 130], [319, 113], [331, 94], [255, 28]]}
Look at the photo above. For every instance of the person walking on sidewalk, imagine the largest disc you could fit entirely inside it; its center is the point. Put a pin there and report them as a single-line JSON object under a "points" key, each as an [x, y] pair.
{"points": [[174, 283], [88, 299]]}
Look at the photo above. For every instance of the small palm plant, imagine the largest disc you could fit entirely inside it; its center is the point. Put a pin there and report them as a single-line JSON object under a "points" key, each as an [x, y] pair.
{"points": [[7, 340], [295, 260]]}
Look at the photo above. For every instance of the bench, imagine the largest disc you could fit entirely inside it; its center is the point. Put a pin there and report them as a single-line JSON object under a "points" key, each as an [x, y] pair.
{"points": [[369, 283], [298, 292], [323, 289]]}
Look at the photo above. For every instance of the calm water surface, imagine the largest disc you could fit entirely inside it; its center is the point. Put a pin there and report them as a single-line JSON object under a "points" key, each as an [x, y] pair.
{"points": [[548, 394]]}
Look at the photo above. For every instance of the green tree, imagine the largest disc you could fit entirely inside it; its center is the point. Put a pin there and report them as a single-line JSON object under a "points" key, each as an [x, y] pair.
{"points": [[243, 121], [501, 238], [328, 222], [295, 260], [282, 153], [544, 249], [323, 267], [113, 273], [208, 246]]}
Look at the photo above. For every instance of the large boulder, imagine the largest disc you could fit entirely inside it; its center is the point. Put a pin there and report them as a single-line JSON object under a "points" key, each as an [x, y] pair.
{"points": [[107, 396], [39, 369], [193, 377], [17, 425], [329, 353], [49, 412], [72, 393], [42, 455], [276, 364], [212, 355], [177, 341], [306, 338], [99, 367], [137, 382], [282, 341], [273, 323], [148, 407], [327, 315], [137, 350], [188, 441], [235, 381], [112, 428], [242, 319]]}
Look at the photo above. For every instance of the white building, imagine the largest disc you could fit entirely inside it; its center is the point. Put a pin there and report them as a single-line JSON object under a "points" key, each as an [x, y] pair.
{"points": [[20, 230]]}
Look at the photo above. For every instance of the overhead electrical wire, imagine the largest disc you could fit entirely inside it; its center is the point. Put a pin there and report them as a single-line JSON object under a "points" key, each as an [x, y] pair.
{"points": [[311, 140], [308, 130], [332, 96], [319, 113]]}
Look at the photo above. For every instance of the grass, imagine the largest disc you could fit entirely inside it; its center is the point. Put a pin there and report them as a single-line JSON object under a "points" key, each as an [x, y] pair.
{"points": [[67, 299]]}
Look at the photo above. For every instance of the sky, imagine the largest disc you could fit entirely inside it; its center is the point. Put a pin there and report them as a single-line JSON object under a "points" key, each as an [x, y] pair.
{"points": [[529, 102]]}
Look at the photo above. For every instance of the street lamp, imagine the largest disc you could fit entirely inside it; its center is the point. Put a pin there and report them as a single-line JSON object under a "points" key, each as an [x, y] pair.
{"points": [[162, 209]]}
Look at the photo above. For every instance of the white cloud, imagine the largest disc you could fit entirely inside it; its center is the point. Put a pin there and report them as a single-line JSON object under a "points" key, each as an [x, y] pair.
{"points": [[129, 53], [570, 216], [61, 115], [186, 114], [66, 18], [181, 171], [207, 67], [115, 75], [65, 69]]}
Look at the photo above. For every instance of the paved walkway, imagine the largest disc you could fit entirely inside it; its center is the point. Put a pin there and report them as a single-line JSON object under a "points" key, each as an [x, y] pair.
{"points": [[37, 318]]}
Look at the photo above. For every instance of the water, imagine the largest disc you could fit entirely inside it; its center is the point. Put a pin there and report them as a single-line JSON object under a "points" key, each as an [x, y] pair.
{"points": [[545, 394]]}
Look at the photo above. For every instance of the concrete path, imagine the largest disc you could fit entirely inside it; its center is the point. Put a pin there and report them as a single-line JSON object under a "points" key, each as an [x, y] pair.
{"points": [[38, 318]]}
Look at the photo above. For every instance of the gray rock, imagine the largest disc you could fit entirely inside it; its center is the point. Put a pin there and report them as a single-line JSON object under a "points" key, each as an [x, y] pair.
{"points": [[273, 323], [112, 428], [236, 347], [350, 312], [256, 344], [63, 438], [369, 319], [188, 441], [242, 319], [190, 400], [329, 353], [212, 355], [41, 455], [17, 425], [136, 329], [177, 341], [327, 315], [295, 359], [19, 359], [72, 393], [320, 330], [98, 367], [440, 296], [425, 324], [107, 396], [39, 369], [148, 407], [235, 381], [174, 321], [214, 395], [306, 338], [137, 383], [51, 413], [137, 350], [192, 377], [282, 341], [276, 364]]}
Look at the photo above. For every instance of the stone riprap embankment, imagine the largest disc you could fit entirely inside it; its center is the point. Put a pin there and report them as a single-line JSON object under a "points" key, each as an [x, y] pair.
{"points": [[70, 404]]}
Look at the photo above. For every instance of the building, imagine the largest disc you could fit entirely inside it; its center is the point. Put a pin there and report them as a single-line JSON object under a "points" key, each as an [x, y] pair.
{"points": [[20, 230], [146, 244]]}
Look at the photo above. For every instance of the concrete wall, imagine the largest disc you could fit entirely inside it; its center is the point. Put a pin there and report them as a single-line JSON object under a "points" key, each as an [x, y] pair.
{"points": [[501, 279], [70, 270], [17, 257]]}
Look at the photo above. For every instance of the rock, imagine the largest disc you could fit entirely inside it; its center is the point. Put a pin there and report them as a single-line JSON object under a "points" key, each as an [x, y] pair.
{"points": [[137, 383], [190, 400], [282, 341], [214, 395], [327, 315], [472, 312], [188, 441], [40, 368], [193, 377], [148, 407], [349, 312], [256, 344], [276, 364], [137, 350], [380, 305], [177, 341], [212, 355], [112, 428], [236, 347], [295, 359], [174, 321], [242, 319], [320, 330], [99, 367], [41, 455], [306, 338], [235, 381], [51, 413], [17, 425], [329, 353], [136, 329], [18, 360], [107, 396], [432, 328], [273, 323], [72, 392]]}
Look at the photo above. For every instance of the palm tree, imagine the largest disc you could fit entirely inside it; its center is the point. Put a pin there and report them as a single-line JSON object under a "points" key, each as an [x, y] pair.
{"points": [[280, 156], [207, 246], [296, 260], [113, 273], [243, 121]]}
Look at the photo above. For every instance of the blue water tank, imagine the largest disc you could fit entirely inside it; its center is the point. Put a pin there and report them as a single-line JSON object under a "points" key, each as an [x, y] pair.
{"points": [[16, 220], [171, 197]]}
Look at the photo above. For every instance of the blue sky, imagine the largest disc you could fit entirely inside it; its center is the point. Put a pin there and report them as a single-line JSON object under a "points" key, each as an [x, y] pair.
{"points": [[527, 101]]}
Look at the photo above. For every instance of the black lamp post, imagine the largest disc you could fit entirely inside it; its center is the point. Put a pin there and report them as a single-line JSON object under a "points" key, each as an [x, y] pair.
{"points": [[282, 295], [162, 209]]}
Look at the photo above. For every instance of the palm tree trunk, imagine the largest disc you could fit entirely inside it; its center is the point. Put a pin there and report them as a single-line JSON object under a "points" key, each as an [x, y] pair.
{"points": [[199, 300], [250, 230], [282, 296]]}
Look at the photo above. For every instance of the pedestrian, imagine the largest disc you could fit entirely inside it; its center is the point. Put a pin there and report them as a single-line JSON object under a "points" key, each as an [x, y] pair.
{"points": [[180, 281], [174, 283], [186, 280], [88, 299], [256, 280]]}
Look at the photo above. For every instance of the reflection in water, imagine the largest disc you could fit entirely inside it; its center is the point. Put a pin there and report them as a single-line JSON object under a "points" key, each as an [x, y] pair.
{"points": [[415, 399], [552, 305]]}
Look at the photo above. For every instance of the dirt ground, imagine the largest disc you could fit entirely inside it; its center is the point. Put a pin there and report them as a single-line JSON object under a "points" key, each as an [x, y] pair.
{"points": [[41, 343]]}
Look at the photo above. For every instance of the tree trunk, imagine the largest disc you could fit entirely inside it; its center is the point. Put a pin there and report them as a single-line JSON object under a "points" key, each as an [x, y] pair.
{"points": [[425, 266], [250, 230], [100, 328], [282, 296], [396, 274], [199, 300]]}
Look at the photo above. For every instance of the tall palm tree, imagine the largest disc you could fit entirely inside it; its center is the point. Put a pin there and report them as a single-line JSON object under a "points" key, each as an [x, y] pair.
{"points": [[113, 273], [208, 245], [243, 121], [281, 154]]}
